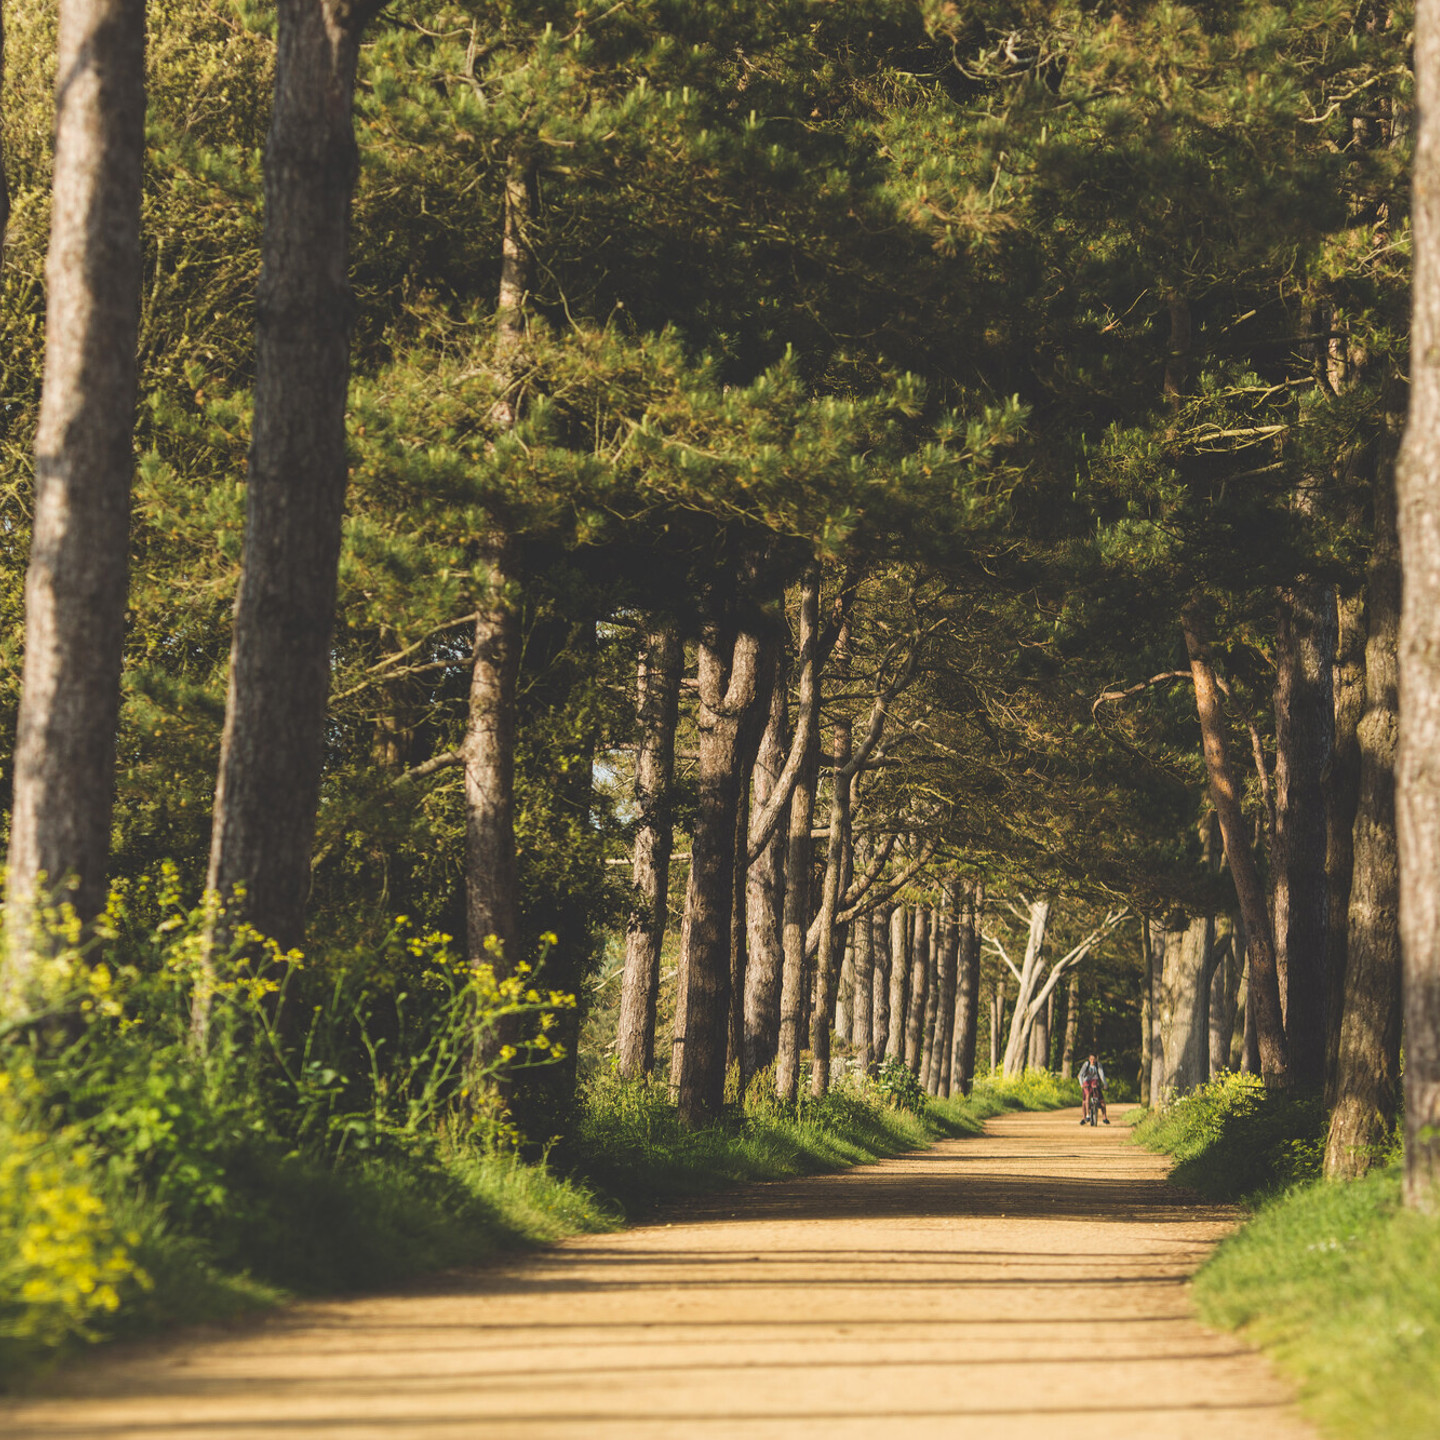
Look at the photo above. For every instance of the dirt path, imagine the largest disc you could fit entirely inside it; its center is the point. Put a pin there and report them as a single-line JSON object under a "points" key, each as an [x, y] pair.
{"points": [[1026, 1284]]}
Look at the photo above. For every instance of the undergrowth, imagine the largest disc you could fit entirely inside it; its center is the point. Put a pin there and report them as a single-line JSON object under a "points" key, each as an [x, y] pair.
{"points": [[1333, 1279], [1232, 1139], [148, 1179]]}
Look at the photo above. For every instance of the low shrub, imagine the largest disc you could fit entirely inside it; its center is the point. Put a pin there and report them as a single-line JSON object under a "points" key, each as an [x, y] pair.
{"points": [[1232, 1139]]}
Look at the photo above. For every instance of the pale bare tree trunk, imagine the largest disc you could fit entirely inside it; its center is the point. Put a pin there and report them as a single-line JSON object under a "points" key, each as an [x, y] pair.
{"points": [[765, 902], [1342, 796], [657, 708], [1368, 1068], [76, 584], [900, 931], [1072, 1027], [919, 989], [273, 744], [729, 681], [997, 1021], [1304, 740], [1249, 892]]}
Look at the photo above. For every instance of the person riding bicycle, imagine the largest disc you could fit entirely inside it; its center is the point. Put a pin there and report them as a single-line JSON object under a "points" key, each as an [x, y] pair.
{"points": [[1092, 1086]]}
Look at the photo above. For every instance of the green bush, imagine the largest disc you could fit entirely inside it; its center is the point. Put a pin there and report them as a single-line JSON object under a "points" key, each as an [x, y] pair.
{"points": [[63, 1263], [1232, 1139]]}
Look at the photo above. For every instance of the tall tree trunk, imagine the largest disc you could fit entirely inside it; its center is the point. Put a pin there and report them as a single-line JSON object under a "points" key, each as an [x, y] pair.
{"points": [[492, 872], [796, 922], [967, 992], [1417, 795], [1040, 1035], [765, 902], [657, 709], [75, 588], [1224, 995], [1147, 1010], [1304, 740], [997, 1021], [1183, 1005], [1072, 1027], [1249, 892], [947, 958], [1368, 1069], [932, 1004], [863, 1018], [900, 932], [273, 743], [879, 922], [1342, 798], [828, 958], [492, 912], [919, 989], [729, 681]]}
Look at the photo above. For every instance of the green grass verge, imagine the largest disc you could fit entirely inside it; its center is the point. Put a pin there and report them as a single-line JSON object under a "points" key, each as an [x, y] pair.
{"points": [[1335, 1281]]}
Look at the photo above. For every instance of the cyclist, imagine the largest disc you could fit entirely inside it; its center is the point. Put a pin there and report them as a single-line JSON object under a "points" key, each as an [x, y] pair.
{"points": [[1092, 1086]]}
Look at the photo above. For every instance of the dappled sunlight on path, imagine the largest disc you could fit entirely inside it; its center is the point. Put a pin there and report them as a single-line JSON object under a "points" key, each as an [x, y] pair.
{"points": [[1029, 1283]]}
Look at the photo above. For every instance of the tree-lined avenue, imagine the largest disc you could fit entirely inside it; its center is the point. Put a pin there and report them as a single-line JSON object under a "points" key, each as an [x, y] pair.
{"points": [[1027, 1283]]}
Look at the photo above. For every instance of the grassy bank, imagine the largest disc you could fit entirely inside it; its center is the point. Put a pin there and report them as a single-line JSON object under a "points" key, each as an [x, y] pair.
{"points": [[1337, 1282]]}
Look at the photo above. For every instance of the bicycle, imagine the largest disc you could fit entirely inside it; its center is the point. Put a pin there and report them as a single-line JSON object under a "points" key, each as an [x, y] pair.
{"points": [[1090, 1111]]}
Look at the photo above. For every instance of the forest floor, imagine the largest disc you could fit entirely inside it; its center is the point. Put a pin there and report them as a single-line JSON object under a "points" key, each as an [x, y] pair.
{"points": [[1030, 1282]]}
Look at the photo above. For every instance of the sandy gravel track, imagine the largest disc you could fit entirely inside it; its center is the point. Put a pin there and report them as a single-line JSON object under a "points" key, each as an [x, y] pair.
{"points": [[1030, 1283]]}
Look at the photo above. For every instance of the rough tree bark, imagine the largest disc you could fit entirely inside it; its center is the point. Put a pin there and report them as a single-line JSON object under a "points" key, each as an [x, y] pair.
{"points": [[1182, 1005], [942, 1053], [796, 921], [729, 679], [1417, 794], [1264, 989], [765, 901], [900, 931], [657, 709], [1072, 1027], [919, 989], [1147, 1009], [1367, 1084], [1342, 798], [967, 992], [862, 1021], [879, 922], [932, 1003], [1224, 995], [1304, 741], [827, 958], [75, 588], [273, 741], [997, 1020]]}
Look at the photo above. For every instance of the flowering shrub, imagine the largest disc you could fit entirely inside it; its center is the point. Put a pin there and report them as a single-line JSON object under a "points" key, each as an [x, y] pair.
{"points": [[293, 1117], [61, 1262]]}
